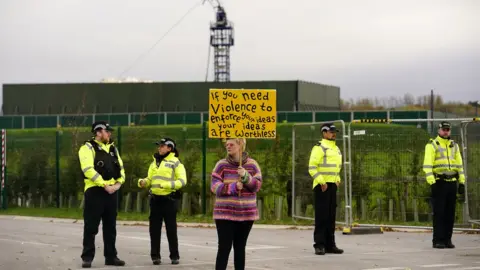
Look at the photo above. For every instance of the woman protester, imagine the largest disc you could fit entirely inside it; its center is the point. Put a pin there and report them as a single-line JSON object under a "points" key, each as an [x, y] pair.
{"points": [[166, 176], [235, 183]]}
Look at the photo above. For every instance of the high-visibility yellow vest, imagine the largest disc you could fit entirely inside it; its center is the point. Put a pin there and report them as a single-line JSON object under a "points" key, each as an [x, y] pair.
{"points": [[443, 157], [166, 177], [325, 163]]}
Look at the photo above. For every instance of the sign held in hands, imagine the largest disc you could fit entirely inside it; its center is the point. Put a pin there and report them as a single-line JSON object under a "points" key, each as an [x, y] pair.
{"points": [[242, 113]]}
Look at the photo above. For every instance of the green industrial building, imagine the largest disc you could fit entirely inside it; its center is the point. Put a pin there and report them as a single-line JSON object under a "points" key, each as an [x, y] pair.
{"points": [[149, 97]]}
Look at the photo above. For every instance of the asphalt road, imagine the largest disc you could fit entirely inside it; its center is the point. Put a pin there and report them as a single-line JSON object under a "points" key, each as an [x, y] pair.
{"points": [[53, 244]]}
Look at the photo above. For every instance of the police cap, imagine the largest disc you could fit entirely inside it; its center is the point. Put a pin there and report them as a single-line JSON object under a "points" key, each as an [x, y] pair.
{"points": [[445, 125], [167, 141], [99, 125], [329, 127]]}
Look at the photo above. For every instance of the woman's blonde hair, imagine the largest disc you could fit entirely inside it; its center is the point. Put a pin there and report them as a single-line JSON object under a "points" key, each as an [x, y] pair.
{"points": [[240, 141]]}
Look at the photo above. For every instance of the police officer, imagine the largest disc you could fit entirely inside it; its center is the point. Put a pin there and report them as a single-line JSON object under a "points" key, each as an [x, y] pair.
{"points": [[166, 176], [103, 171], [324, 167], [443, 167]]}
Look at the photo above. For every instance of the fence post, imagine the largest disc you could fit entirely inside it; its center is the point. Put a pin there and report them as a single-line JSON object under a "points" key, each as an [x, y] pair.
{"points": [[4, 190], [3, 185], [57, 166], [119, 146], [204, 167]]}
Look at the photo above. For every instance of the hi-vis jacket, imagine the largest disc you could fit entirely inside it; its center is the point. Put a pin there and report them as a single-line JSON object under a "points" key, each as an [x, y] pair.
{"points": [[325, 163], [165, 177], [90, 164], [442, 157]]}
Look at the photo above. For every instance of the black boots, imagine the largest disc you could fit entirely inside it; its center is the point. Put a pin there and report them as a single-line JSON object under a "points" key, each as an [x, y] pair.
{"points": [[333, 250], [320, 251], [449, 244], [115, 262], [159, 261], [86, 264], [441, 246]]}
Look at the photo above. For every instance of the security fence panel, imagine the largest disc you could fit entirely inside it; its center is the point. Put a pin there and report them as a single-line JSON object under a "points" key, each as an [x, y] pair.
{"points": [[304, 137], [386, 177], [471, 149]]}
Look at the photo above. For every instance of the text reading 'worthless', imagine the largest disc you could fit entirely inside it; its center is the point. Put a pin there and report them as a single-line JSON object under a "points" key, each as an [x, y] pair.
{"points": [[242, 113]]}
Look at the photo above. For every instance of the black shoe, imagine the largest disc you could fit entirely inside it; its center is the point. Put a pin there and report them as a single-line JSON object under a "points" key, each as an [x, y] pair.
{"points": [[175, 261], [115, 262], [334, 250], [157, 261], [450, 245], [320, 251], [86, 264], [438, 245]]}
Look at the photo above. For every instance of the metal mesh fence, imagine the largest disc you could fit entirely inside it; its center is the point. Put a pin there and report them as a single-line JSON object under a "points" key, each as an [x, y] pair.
{"points": [[305, 136], [472, 151], [387, 181], [44, 171]]}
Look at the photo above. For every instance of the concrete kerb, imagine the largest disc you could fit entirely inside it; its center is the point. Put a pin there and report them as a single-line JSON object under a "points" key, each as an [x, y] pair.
{"points": [[354, 231], [145, 223]]}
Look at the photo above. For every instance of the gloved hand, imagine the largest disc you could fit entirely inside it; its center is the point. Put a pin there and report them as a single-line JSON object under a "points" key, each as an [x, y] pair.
{"points": [[461, 189]]}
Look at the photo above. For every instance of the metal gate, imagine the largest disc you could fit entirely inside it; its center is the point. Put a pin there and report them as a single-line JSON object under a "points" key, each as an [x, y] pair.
{"points": [[304, 137], [470, 132], [389, 150]]}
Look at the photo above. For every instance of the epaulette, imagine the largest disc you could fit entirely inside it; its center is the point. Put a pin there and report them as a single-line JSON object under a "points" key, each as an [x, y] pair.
{"points": [[435, 141]]}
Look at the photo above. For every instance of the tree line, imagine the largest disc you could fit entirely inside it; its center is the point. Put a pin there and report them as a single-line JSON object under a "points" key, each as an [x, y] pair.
{"points": [[411, 102]]}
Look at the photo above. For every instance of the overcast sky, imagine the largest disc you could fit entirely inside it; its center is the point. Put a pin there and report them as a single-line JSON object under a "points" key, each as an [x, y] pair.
{"points": [[368, 48]]}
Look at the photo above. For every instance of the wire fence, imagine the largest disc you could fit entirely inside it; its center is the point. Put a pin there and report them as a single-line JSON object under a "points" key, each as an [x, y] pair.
{"points": [[43, 167], [387, 181]]}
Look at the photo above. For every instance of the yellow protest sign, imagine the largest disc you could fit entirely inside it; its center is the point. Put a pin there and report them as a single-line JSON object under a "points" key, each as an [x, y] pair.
{"points": [[242, 113]]}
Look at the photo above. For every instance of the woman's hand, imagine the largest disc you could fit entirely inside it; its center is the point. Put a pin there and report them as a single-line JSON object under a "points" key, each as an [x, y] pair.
{"points": [[241, 171], [239, 185]]}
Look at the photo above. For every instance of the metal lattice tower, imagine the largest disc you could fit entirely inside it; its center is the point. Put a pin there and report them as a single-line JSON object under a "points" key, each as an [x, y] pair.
{"points": [[221, 39]]}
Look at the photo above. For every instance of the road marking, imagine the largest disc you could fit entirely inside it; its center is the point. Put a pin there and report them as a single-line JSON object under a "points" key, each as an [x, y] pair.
{"points": [[149, 266], [389, 268], [28, 242], [465, 268], [438, 265], [249, 247], [408, 251]]}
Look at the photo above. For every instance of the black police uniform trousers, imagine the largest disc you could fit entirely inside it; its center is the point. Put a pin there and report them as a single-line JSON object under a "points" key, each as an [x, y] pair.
{"points": [[325, 211], [163, 208], [99, 205], [444, 199]]}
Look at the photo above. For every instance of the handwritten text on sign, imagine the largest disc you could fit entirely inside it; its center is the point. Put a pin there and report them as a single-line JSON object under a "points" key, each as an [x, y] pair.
{"points": [[242, 113]]}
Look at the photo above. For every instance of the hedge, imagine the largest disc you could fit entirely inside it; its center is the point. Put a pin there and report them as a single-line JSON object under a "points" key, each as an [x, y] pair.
{"points": [[386, 168]]}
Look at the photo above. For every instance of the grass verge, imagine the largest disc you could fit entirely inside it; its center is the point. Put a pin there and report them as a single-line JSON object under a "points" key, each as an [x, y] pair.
{"points": [[77, 214]]}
